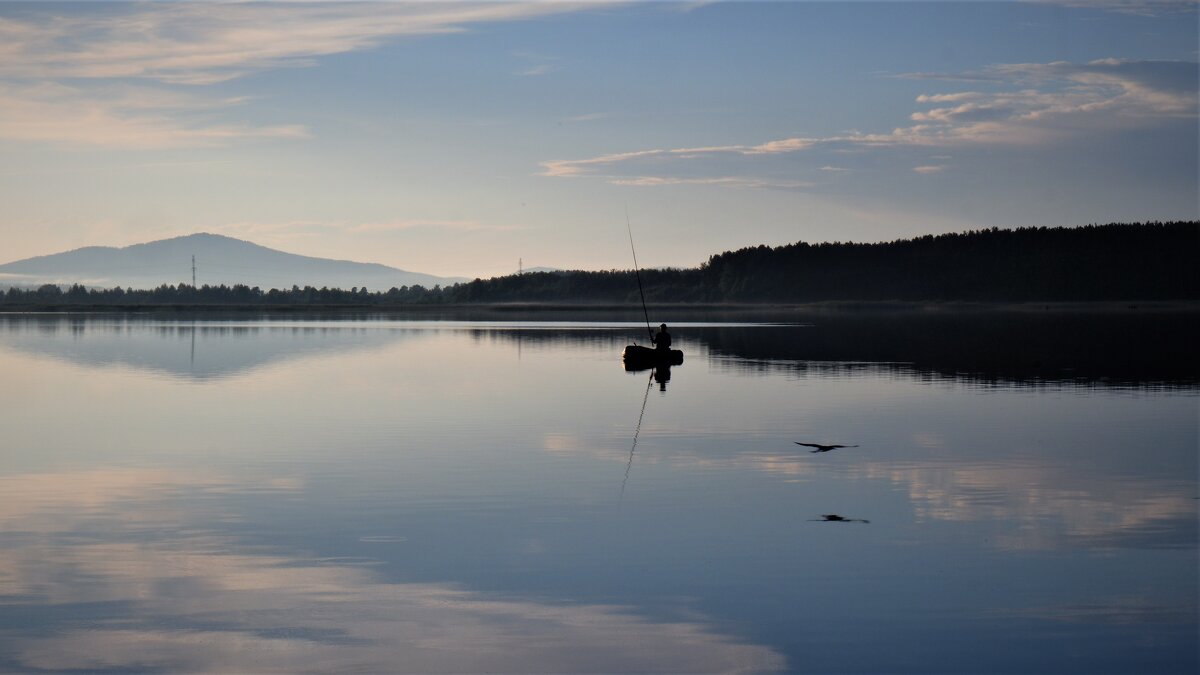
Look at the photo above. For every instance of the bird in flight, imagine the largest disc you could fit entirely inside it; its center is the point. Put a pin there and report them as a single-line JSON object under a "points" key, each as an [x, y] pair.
{"points": [[823, 448], [835, 518]]}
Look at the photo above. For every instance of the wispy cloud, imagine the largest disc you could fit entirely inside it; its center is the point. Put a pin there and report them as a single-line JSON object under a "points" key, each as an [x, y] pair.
{"points": [[434, 224], [534, 71], [203, 43], [1022, 105], [1136, 7], [784, 145], [171, 45], [535, 64], [577, 167], [727, 181], [297, 232], [126, 117], [589, 117]]}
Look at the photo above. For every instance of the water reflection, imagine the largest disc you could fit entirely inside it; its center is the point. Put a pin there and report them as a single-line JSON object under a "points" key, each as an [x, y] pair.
{"points": [[1129, 348], [189, 349], [1026, 348], [637, 430], [392, 495], [192, 599]]}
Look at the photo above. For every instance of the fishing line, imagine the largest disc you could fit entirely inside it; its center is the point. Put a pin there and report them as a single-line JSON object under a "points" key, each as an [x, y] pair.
{"points": [[637, 430]]}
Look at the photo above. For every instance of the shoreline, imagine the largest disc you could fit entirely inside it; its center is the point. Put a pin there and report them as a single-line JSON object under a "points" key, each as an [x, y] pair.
{"points": [[546, 308]]}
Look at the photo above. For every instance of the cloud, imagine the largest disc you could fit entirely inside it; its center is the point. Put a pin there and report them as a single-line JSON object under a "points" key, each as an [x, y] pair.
{"points": [[578, 167], [534, 71], [313, 228], [589, 117], [729, 181], [1146, 87], [1024, 105], [949, 98], [204, 43], [168, 46], [126, 117], [434, 224], [536, 64], [1148, 8], [300, 235], [784, 145]]}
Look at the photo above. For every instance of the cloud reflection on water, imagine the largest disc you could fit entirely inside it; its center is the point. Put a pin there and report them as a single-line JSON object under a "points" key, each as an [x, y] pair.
{"points": [[193, 599], [1029, 506], [1048, 508]]}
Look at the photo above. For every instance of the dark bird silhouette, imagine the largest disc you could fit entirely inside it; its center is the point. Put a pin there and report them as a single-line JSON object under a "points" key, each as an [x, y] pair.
{"points": [[835, 518], [823, 448]]}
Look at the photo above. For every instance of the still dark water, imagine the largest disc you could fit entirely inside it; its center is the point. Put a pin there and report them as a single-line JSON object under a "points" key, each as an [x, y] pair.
{"points": [[385, 495]]}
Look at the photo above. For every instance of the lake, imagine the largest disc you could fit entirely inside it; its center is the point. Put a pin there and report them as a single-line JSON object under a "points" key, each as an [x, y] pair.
{"points": [[385, 494]]}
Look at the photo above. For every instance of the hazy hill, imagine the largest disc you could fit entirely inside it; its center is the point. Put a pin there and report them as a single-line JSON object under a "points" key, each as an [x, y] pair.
{"points": [[219, 260]]}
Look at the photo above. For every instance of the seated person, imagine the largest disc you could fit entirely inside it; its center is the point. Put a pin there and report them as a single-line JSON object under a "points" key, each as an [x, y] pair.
{"points": [[663, 339]]}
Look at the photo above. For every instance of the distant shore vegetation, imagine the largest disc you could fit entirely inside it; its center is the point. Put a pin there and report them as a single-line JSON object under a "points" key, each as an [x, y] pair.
{"points": [[1115, 262]]}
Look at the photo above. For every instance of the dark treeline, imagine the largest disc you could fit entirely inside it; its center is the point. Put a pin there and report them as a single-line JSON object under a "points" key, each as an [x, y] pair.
{"points": [[1104, 262], [184, 295], [1116, 262]]}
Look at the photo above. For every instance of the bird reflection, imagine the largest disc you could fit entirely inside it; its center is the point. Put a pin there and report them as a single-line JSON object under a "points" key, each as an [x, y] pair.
{"points": [[823, 448], [835, 518]]}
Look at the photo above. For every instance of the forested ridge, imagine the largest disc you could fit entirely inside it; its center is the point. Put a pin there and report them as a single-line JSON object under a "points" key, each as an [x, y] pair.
{"points": [[1115, 262]]}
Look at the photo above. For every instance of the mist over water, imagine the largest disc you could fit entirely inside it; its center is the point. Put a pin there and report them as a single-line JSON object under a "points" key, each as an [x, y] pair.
{"points": [[459, 496]]}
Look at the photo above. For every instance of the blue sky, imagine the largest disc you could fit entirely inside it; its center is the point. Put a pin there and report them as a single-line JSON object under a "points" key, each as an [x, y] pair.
{"points": [[455, 138]]}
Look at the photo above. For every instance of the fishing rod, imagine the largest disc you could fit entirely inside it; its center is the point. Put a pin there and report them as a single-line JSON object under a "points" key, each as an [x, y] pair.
{"points": [[638, 274]]}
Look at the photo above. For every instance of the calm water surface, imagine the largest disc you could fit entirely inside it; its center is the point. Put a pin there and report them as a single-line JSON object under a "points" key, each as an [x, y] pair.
{"points": [[385, 495]]}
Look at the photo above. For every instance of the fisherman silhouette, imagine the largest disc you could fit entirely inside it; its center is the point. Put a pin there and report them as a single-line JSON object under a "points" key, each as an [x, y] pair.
{"points": [[662, 340]]}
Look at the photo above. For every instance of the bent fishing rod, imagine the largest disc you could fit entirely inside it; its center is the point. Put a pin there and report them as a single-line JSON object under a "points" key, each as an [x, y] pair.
{"points": [[638, 274]]}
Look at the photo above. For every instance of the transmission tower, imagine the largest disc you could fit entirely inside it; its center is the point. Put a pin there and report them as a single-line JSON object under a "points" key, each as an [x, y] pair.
{"points": [[193, 271]]}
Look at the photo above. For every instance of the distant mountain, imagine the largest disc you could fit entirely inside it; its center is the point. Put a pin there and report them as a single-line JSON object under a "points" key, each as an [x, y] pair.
{"points": [[219, 260]]}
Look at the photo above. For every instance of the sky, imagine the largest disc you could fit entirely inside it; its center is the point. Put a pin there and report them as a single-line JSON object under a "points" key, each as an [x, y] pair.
{"points": [[467, 139]]}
